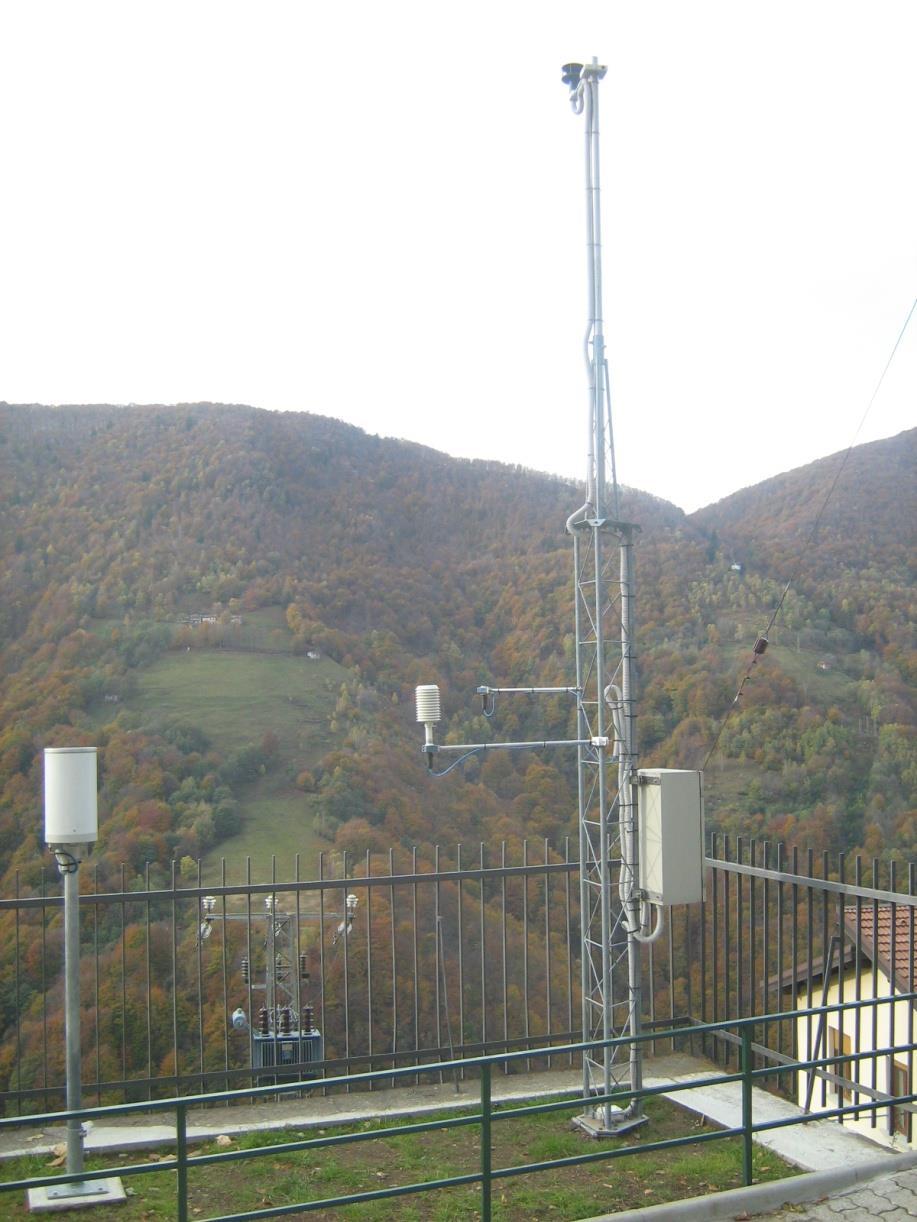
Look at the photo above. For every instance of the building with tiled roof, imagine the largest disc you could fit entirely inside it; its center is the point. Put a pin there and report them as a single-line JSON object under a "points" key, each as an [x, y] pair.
{"points": [[875, 1045]]}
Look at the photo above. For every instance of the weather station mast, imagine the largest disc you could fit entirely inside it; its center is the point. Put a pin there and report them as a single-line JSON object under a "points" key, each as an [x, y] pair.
{"points": [[603, 568], [640, 831]]}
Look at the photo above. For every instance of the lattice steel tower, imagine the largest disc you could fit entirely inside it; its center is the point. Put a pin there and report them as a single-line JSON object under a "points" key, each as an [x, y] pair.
{"points": [[607, 756]]}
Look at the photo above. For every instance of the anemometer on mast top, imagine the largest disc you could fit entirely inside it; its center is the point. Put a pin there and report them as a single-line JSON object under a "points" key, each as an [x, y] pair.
{"points": [[640, 831]]}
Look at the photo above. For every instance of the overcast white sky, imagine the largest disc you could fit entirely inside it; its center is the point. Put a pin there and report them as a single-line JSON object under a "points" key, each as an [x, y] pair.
{"points": [[375, 212]]}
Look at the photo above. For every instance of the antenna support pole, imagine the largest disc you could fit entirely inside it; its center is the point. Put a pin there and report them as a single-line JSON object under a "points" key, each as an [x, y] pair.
{"points": [[604, 608]]}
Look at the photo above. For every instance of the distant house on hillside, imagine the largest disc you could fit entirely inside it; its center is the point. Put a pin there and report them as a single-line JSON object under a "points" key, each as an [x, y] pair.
{"points": [[735, 567], [879, 960]]}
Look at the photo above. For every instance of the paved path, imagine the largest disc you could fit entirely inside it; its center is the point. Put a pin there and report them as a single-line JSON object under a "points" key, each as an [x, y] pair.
{"points": [[893, 1198]]}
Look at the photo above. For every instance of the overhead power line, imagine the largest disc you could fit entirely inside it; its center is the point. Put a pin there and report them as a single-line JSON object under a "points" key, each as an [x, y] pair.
{"points": [[761, 642]]}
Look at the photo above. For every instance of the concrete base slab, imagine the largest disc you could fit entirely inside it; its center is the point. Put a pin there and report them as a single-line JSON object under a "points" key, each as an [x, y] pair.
{"points": [[76, 1196], [592, 1122]]}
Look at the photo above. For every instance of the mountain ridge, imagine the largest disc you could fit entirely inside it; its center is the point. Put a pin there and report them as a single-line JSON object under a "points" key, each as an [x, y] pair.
{"points": [[404, 565]]}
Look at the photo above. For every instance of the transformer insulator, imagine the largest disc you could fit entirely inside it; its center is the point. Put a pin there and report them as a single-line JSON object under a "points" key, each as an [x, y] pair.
{"points": [[263, 1026], [308, 1018], [246, 971], [286, 1020]]}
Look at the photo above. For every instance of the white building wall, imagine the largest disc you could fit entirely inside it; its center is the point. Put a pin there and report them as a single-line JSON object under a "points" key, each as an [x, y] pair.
{"points": [[893, 1024]]}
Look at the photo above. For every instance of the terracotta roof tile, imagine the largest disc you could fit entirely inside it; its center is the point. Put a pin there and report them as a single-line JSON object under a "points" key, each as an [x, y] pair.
{"points": [[889, 933]]}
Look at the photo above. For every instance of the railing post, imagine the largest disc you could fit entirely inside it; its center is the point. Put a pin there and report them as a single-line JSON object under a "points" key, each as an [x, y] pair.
{"points": [[485, 1142], [747, 1143], [181, 1137]]}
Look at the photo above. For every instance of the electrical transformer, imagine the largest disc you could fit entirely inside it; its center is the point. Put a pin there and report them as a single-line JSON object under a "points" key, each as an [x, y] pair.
{"points": [[276, 1051]]}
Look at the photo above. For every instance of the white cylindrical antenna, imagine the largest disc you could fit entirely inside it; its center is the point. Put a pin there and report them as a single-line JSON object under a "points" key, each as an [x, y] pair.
{"points": [[429, 708], [71, 798]]}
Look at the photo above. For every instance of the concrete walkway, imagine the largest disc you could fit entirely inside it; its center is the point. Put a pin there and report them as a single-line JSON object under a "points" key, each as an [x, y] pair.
{"points": [[838, 1160]]}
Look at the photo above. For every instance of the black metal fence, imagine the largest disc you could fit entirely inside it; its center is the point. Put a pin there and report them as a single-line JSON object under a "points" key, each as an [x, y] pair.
{"points": [[458, 953]]}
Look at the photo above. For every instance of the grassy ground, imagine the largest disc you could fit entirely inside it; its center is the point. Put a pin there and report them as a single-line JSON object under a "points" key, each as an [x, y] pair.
{"points": [[821, 687], [236, 698], [278, 824], [277, 1179]]}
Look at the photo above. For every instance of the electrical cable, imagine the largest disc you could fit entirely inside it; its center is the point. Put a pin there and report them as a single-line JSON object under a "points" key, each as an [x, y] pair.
{"points": [[761, 642], [66, 862]]}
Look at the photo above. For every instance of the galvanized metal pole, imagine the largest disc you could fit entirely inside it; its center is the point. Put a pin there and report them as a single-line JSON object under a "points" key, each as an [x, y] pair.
{"points": [[72, 1016], [604, 666]]}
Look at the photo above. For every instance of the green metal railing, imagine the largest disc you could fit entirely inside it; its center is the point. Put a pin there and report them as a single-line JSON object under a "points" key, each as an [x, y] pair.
{"points": [[747, 1075]]}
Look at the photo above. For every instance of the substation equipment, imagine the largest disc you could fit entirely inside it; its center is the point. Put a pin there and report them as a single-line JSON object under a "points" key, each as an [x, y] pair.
{"points": [[640, 831], [285, 1041]]}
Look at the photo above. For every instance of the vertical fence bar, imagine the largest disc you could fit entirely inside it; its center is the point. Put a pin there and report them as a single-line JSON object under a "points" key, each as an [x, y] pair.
{"points": [[414, 933], [224, 968], [858, 964], [702, 915], [569, 942], [486, 1155], [848, 1070], [547, 948], [123, 985], [752, 929], [296, 967], [17, 994], [651, 969], [715, 931], [391, 901], [873, 1112], [345, 947], [149, 972], [781, 950], [483, 954], [42, 891], [174, 885], [525, 949], [200, 981], [740, 946], [727, 947], [181, 1140], [892, 985], [670, 935], [503, 945], [911, 884], [689, 963], [97, 987], [810, 935], [437, 963], [461, 950], [747, 1084], [321, 954], [369, 968], [794, 952], [825, 943], [766, 1007], [252, 1026]]}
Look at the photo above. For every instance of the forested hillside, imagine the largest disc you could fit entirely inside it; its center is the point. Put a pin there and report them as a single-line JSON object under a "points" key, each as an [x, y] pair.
{"points": [[138, 541]]}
